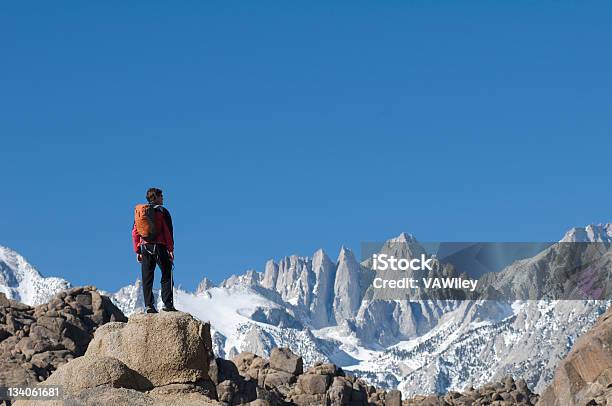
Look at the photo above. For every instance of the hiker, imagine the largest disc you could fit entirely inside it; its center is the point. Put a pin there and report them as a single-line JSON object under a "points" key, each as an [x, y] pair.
{"points": [[153, 240]]}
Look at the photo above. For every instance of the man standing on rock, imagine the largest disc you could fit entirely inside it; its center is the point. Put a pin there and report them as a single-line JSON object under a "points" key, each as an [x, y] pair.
{"points": [[153, 240]]}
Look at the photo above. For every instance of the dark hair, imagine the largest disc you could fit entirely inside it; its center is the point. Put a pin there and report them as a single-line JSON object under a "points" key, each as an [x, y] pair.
{"points": [[152, 194]]}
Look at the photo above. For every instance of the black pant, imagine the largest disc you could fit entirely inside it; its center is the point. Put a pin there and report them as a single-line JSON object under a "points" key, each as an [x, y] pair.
{"points": [[156, 254]]}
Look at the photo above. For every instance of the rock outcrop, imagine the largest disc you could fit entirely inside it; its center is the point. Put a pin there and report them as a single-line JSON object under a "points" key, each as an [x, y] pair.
{"points": [[505, 393], [250, 379], [322, 292], [347, 292], [166, 348], [166, 358], [35, 341], [153, 359], [584, 377]]}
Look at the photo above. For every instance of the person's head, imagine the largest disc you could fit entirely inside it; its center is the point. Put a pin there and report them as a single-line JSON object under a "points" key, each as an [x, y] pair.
{"points": [[155, 196]]}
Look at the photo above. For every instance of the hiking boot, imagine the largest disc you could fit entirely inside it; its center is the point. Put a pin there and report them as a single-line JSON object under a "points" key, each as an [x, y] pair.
{"points": [[150, 310], [168, 308]]}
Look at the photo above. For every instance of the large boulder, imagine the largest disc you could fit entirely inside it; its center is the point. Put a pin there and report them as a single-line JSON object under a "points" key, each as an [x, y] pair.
{"points": [[585, 375], [314, 384], [283, 359], [165, 348], [92, 371], [340, 391], [393, 398], [273, 378]]}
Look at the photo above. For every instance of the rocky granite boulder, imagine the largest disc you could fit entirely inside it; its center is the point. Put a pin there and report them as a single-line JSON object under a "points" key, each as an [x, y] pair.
{"points": [[165, 348], [92, 371], [35, 341], [584, 377], [282, 359]]}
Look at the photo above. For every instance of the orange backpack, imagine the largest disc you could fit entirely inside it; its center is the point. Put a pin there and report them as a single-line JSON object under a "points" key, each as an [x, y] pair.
{"points": [[144, 218]]}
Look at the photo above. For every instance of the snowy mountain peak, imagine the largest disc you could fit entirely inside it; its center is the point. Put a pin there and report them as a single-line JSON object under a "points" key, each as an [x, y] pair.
{"points": [[22, 269], [204, 285], [250, 278], [22, 282], [129, 298], [320, 253], [404, 237], [345, 255], [590, 233]]}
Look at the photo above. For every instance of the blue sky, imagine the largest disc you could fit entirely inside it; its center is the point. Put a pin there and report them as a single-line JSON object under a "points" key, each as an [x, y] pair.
{"points": [[277, 128]]}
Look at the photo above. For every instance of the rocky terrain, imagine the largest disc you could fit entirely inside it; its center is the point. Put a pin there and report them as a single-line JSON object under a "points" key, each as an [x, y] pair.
{"points": [[507, 392], [35, 341], [168, 359]]}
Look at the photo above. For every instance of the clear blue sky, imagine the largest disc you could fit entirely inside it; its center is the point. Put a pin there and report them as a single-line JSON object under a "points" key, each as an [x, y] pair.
{"points": [[282, 127]]}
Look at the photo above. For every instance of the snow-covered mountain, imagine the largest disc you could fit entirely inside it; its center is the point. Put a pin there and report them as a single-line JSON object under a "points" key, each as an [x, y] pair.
{"points": [[22, 282], [324, 310], [590, 233]]}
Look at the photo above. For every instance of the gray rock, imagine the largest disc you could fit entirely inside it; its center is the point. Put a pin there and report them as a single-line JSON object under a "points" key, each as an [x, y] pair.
{"points": [[324, 369], [270, 275], [4, 301], [283, 359], [308, 400], [393, 398], [244, 360], [323, 290], [275, 378], [226, 391], [347, 291], [312, 384], [220, 370], [340, 391]]}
